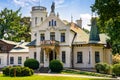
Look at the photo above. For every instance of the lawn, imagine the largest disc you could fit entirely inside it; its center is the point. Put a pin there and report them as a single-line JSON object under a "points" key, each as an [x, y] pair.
{"points": [[38, 77]]}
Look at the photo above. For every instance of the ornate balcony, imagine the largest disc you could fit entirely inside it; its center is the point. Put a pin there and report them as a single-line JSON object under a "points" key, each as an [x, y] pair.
{"points": [[49, 43]]}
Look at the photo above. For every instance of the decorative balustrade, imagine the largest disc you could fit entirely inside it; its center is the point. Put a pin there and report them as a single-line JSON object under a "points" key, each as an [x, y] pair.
{"points": [[38, 8], [50, 42]]}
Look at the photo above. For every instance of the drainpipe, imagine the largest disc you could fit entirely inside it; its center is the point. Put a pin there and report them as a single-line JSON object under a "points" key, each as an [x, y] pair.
{"points": [[72, 52]]}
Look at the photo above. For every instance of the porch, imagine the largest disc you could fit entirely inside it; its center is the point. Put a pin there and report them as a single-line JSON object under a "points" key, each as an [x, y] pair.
{"points": [[49, 51]]}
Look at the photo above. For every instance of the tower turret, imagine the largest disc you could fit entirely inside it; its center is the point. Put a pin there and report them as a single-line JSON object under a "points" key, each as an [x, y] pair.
{"points": [[94, 33], [38, 15]]}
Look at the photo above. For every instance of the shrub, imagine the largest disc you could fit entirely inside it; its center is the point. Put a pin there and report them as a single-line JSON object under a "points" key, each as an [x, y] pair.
{"points": [[26, 71], [116, 59], [103, 68], [31, 63], [56, 66], [6, 70], [116, 69], [17, 71]]}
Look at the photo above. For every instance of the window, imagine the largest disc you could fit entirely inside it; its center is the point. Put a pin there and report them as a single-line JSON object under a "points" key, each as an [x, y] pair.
{"points": [[49, 23], [35, 55], [42, 37], [35, 20], [41, 18], [79, 57], [63, 57], [52, 35], [11, 60], [54, 23], [19, 60], [97, 57], [35, 34], [0, 61], [62, 37]]}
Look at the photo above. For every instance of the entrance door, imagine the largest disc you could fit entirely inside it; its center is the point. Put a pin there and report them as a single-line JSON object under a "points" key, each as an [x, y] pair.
{"points": [[50, 56]]}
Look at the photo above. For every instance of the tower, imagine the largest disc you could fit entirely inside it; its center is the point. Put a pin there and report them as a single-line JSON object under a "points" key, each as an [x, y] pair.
{"points": [[94, 33], [38, 15]]}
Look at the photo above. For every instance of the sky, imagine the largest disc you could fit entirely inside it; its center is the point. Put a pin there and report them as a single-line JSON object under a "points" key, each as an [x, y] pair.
{"points": [[66, 8]]}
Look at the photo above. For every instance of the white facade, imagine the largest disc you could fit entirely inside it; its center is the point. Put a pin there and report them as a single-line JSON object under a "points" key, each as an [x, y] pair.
{"points": [[16, 56], [73, 48]]}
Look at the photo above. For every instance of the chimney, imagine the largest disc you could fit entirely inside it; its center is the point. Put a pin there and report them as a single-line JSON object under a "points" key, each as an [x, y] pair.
{"points": [[79, 22]]}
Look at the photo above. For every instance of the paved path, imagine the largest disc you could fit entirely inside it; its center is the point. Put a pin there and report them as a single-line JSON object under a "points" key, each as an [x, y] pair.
{"points": [[70, 75]]}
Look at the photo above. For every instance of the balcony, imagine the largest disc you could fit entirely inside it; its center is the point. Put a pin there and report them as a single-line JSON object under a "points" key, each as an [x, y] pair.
{"points": [[49, 43]]}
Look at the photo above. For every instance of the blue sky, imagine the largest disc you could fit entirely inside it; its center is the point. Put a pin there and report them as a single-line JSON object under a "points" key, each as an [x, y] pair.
{"points": [[77, 8]]}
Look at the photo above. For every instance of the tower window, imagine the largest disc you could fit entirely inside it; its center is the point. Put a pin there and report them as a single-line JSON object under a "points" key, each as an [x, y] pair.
{"points": [[35, 20]]}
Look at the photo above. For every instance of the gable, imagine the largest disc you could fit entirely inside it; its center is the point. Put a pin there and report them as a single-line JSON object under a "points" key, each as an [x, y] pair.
{"points": [[51, 22]]}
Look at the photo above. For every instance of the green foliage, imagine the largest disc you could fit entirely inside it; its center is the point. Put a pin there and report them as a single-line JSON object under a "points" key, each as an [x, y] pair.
{"points": [[17, 71], [26, 71], [56, 66], [113, 30], [46, 77], [116, 69], [78, 72], [103, 68], [109, 20], [12, 26], [6, 70], [31, 63]]}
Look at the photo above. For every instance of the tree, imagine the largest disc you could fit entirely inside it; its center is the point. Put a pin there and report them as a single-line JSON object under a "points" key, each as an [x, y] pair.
{"points": [[109, 20], [11, 27]]}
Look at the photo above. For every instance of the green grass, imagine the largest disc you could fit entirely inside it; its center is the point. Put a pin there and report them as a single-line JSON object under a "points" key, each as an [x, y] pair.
{"points": [[84, 73], [38, 77]]}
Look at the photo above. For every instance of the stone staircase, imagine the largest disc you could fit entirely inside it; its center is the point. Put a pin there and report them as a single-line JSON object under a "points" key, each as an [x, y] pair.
{"points": [[44, 70]]}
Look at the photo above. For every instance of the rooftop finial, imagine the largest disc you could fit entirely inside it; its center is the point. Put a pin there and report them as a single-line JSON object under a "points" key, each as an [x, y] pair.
{"points": [[53, 7], [39, 2], [71, 18]]}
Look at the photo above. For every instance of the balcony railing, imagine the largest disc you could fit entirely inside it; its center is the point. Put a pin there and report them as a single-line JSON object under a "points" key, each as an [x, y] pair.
{"points": [[50, 42]]}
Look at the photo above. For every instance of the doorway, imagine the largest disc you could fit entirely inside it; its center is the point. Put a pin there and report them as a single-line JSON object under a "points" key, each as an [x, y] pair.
{"points": [[52, 55]]}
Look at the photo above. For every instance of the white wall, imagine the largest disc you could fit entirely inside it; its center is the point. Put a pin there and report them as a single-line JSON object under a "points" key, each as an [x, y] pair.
{"points": [[3, 57], [16, 55]]}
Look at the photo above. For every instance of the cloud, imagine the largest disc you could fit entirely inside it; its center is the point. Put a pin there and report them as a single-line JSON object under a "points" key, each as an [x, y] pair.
{"points": [[59, 3], [24, 3], [86, 20]]}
